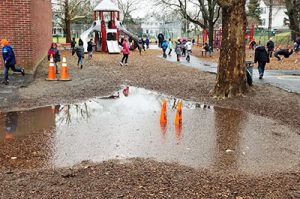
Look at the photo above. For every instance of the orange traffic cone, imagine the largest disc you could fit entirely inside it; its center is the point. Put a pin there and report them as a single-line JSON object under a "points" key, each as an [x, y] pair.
{"points": [[64, 76], [178, 119], [51, 70], [163, 115]]}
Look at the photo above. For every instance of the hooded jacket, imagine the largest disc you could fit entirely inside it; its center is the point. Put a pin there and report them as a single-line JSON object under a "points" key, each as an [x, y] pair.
{"points": [[8, 55], [261, 55], [164, 45]]}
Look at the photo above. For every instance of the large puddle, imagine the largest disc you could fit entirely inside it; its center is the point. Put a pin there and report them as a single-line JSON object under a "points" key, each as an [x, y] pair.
{"points": [[129, 127]]}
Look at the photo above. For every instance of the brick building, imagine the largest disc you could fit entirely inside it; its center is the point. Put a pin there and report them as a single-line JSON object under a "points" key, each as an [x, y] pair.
{"points": [[27, 24]]}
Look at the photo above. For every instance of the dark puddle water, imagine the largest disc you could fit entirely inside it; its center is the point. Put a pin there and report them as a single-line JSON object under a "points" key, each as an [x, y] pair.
{"points": [[128, 127]]}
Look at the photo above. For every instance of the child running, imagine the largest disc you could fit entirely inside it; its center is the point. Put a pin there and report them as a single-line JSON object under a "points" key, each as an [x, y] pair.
{"points": [[125, 52]]}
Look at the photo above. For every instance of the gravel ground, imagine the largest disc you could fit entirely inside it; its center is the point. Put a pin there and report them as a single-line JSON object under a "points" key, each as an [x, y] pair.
{"points": [[145, 178]]}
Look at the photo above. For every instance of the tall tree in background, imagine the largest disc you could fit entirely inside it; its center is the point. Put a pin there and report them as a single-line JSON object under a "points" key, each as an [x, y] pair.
{"points": [[270, 17], [231, 76], [254, 12], [127, 7], [206, 12], [70, 11], [293, 11]]}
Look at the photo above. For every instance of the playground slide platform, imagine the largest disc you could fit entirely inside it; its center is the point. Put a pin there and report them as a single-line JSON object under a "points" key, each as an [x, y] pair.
{"points": [[113, 47]]}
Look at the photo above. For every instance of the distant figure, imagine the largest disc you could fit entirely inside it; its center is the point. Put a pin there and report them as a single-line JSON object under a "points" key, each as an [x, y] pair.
{"points": [[9, 59], [297, 44], [206, 49], [80, 54], [142, 43], [147, 42], [73, 44], [90, 48], [55, 54], [270, 46], [252, 44], [11, 124], [284, 52], [193, 41], [183, 47], [188, 47], [161, 38], [178, 50], [170, 46], [262, 57], [164, 47], [125, 53]]}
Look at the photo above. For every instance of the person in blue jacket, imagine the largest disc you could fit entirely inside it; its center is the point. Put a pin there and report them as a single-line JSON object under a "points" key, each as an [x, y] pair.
{"points": [[9, 60], [164, 46]]}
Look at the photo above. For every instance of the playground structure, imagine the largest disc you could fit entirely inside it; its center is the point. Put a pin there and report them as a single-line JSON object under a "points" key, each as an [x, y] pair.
{"points": [[107, 28]]}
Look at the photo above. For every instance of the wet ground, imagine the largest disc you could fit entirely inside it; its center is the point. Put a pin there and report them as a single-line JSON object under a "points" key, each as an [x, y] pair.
{"points": [[128, 127]]}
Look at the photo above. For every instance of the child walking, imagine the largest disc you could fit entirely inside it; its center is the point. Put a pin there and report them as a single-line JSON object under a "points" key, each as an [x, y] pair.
{"points": [[170, 46], [80, 53], [55, 54], [125, 53]]}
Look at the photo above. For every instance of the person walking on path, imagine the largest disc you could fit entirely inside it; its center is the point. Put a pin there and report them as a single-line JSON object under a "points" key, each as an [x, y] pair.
{"points": [[284, 52], [9, 59], [178, 50], [164, 47], [73, 44], [90, 48], [270, 46], [147, 42], [188, 47], [262, 57], [161, 38], [126, 52], [55, 54], [170, 46], [80, 54]]}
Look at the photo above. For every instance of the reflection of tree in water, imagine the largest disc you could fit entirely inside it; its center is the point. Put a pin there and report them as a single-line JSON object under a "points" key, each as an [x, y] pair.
{"points": [[81, 110], [229, 125]]}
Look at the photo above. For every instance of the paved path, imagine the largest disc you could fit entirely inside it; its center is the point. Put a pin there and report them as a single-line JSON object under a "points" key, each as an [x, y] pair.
{"points": [[286, 79]]}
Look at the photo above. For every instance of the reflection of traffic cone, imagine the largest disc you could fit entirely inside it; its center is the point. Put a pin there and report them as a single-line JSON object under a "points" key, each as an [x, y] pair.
{"points": [[178, 131], [64, 76], [51, 70], [163, 129], [8, 136], [163, 114], [178, 119]]}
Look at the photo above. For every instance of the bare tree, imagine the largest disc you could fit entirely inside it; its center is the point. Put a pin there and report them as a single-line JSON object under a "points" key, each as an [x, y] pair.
{"points": [[206, 12], [231, 76], [293, 11], [70, 11], [127, 7]]}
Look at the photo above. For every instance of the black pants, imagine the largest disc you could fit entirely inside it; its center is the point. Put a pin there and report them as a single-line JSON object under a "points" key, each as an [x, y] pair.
{"points": [[170, 51], [270, 53], [125, 57]]}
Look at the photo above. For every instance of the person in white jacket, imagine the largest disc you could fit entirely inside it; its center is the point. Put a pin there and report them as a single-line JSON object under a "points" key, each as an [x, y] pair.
{"points": [[188, 47], [170, 46]]}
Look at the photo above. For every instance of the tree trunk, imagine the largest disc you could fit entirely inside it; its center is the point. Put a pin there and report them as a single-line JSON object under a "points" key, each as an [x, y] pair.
{"points": [[211, 33], [231, 76], [270, 18], [68, 31]]}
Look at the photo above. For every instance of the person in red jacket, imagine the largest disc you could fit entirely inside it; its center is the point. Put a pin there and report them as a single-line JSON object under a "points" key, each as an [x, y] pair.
{"points": [[125, 53]]}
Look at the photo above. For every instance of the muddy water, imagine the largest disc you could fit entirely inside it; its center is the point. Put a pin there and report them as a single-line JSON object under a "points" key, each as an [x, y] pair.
{"points": [[128, 127]]}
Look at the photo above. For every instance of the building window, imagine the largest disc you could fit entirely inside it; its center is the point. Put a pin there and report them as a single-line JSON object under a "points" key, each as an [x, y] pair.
{"points": [[263, 10]]}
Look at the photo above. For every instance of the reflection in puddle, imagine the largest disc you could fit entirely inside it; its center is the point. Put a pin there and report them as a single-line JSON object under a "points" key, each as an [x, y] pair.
{"points": [[126, 127]]}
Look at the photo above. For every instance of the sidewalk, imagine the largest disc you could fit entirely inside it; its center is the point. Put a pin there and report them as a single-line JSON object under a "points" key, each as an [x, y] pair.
{"points": [[288, 80]]}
